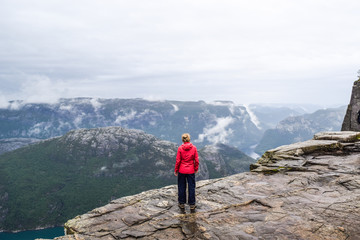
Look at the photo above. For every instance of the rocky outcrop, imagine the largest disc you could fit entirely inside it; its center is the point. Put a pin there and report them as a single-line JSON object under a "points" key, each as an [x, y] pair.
{"points": [[352, 118], [309, 190], [299, 156], [301, 128]]}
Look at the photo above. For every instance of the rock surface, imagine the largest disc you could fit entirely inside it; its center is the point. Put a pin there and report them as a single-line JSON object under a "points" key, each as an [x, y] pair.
{"points": [[301, 128], [352, 120], [314, 194]]}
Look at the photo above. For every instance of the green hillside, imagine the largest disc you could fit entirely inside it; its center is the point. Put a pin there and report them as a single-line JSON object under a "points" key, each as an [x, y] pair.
{"points": [[49, 182]]}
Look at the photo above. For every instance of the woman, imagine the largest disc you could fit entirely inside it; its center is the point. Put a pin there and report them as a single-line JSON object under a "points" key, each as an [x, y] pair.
{"points": [[187, 164]]}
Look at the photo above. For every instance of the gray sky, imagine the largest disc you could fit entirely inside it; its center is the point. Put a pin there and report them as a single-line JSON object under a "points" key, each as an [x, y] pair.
{"points": [[258, 51]]}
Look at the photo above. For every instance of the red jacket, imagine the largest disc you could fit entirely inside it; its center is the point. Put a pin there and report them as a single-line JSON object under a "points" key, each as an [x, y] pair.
{"points": [[187, 160]]}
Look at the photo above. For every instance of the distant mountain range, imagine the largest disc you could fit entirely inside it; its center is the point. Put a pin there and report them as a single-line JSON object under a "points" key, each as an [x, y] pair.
{"points": [[46, 183], [9, 144], [223, 122], [124, 146], [301, 128]]}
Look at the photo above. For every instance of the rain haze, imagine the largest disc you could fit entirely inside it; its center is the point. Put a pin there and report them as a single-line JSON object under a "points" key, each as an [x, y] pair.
{"points": [[261, 51]]}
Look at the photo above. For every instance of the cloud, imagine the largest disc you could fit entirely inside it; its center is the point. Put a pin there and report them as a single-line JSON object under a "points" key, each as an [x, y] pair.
{"points": [[176, 108], [253, 117], [217, 133], [129, 116], [95, 103], [245, 51], [68, 108], [39, 89], [4, 103]]}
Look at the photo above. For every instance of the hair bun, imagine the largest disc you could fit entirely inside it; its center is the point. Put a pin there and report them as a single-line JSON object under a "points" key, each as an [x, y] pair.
{"points": [[185, 137]]}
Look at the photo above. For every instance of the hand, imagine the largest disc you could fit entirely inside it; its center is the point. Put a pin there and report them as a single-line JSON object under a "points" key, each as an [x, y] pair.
{"points": [[196, 171], [175, 173]]}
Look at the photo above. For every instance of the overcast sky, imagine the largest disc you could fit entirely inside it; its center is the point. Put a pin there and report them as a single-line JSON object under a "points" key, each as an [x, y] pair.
{"points": [[258, 51]]}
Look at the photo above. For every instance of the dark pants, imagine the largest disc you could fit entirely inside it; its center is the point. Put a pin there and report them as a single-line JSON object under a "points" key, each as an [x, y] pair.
{"points": [[190, 179]]}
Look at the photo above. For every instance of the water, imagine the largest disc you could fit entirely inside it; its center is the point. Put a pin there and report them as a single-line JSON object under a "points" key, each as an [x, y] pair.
{"points": [[48, 233]]}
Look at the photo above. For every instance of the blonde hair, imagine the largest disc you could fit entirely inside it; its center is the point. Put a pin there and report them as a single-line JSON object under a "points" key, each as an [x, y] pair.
{"points": [[185, 137]]}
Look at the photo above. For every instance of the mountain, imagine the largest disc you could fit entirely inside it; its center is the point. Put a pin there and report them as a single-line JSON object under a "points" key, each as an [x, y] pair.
{"points": [[309, 190], [9, 144], [222, 160], [45, 183], [300, 128], [268, 116], [241, 126]]}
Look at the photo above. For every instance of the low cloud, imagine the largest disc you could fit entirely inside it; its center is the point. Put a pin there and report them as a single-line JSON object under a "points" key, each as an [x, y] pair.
{"points": [[253, 117], [4, 103], [129, 116], [218, 133], [41, 89], [176, 108], [95, 103]]}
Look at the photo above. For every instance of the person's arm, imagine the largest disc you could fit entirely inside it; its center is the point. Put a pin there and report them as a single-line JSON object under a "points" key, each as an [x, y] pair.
{"points": [[177, 164], [196, 161]]}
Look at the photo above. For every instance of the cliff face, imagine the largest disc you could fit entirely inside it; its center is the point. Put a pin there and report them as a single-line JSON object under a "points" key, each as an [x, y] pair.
{"points": [[352, 119], [309, 190]]}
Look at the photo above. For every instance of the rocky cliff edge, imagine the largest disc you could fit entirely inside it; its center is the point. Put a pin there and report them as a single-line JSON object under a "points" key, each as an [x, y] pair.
{"points": [[307, 190]]}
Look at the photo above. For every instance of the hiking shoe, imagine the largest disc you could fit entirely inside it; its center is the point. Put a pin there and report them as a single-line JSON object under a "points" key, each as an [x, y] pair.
{"points": [[181, 206], [192, 207]]}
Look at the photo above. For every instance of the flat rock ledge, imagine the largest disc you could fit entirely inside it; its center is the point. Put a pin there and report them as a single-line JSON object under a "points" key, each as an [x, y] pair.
{"points": [[299, 156], [308, 190]]}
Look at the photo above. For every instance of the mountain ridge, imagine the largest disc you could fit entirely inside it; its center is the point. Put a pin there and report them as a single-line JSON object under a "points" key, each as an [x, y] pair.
{"points": [[86, 168], [209, 123]]}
